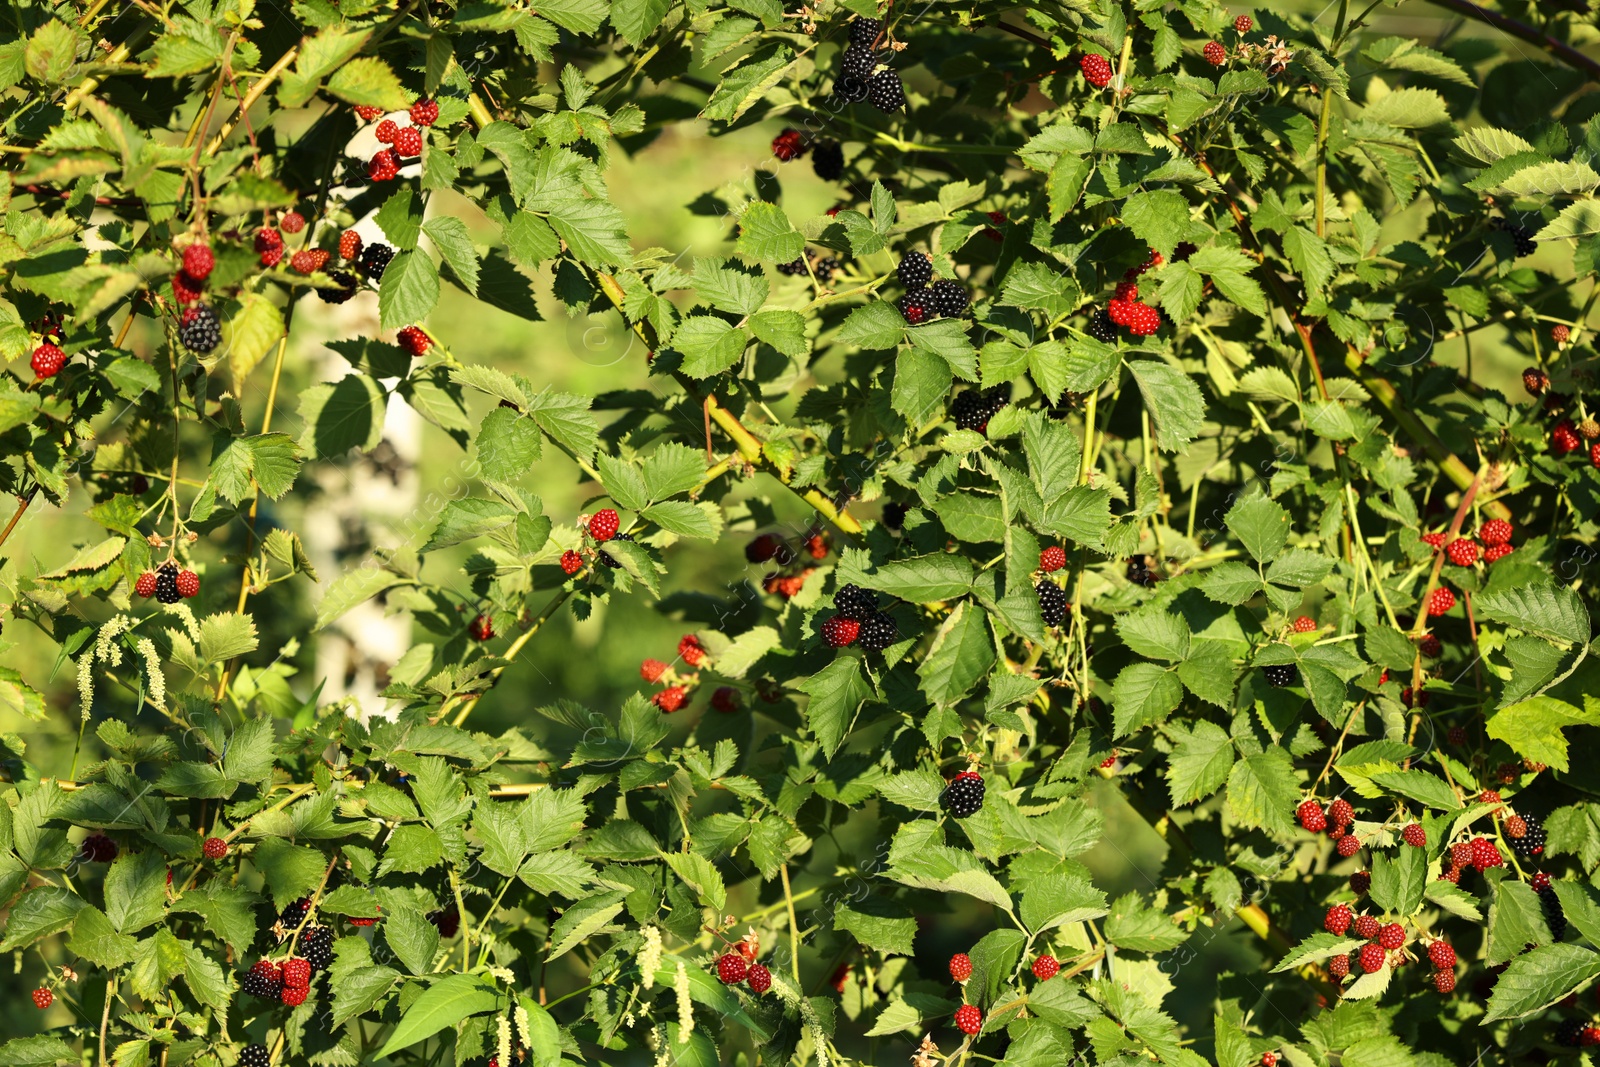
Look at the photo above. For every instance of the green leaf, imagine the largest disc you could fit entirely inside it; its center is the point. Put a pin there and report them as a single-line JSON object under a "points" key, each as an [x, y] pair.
{"points": [[408, 290], [412, 939], [1409, 108], [1516, 920], [766, 234], [449, 235], [1580, 903], [742, 88], [1420, 786], [400, 218], [248, 335], [709, 345], [1155, 634], [878, 923], [696, 872], [96, 940], [1173, 401], [41, 911], [1319, 946], [508, 445], [922, 579], [1578, 219], [1552, 611], [136, 890], [960, 656], [1057, 901], [1132, 925], [1398, 879], [342, 415], [1199, 764], [1533, 727], [369, 80], [1263, 790], [360, 990], [784, 330], [1159, 218], [444, 1003], [1541, 978], [1261, 525], [464, 520], [352, 588], [837, 693], [875, 327], [582, 921], [1144, 695], [37, 1051]]}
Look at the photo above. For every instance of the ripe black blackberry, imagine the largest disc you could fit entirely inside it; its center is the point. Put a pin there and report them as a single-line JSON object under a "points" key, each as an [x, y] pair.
{"points": [[1521, 236], [915, 270], [793, 267], [1101, 328], [1568, 1033], [316, 945], [1554, 917], [948, 297], [865, 31], [167, 583], [886, 93], [1281, 674], [607, 560], [1052, 602], [346, 288], [849, 89], [293, 913], [963, 797], [374, 259], [916, 307], [1141, 571], [827, 160], [859, 62], [254, 1056], [825, 268], [199, 329], [854, 602], [970, 411], [878, 632], [261, 985], [1529, 844]]}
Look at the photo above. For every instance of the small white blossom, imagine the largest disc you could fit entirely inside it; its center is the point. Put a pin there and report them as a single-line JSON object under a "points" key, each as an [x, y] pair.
{"points": [[680, 985], [650, 955]]}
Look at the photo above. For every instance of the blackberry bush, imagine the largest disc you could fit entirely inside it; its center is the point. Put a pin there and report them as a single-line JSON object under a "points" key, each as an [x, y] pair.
{"points": [[501, 568]]}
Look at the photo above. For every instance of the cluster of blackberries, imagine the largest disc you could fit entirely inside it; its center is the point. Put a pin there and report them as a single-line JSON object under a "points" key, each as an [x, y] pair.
{"points": [[973, 408], [1576, 1033], [374, 260], [860, 77], [1052, 602], [923, 301], [168, 584], [254, 1056], [1521, 236], [875, 629], [405, 142], [198, 329], [963, 797], [823, 267], [610, 561]]}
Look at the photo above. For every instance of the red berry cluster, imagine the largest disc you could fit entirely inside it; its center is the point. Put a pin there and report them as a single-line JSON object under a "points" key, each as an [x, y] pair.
{"points": [[788, 145], [738, 968], [405, 141], [969, 1019], [1126, 309], [674, 696], [414, 340], [1052, 559], [1305, 624], [1096, 70]]}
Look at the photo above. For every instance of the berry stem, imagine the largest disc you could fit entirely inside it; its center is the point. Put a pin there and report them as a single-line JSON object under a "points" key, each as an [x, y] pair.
{"points": [[510, 657], [794, 925], [16, 516]]}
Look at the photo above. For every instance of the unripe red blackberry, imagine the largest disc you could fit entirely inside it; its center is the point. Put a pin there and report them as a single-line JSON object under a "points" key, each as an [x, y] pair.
{"points": [[969, 1019], [186, 290], [571, 562], [482, 628], [960, 967], [1414, 835], [1242, 24], [292, 222], [788, 145], [1045, 967], [732, 968], [759, 978], [1535, 381], [1337, 920], [386, 131], [214, 848], [1052, 558], [1430, 646], [1339, 967], [47, 360], [651, 670], [425, 112], [1215, 54], [1442, 955], [671, 699], [1495, 532], [603, 525], [308, 260], [1360, 882], [366, 112], [1392, 936], [1485, 854], [1340, 813], [383, 166], [198, 261], [408, 142], [294, 996], [1559, 334], [1463, 551], [1349, 845], [1367, 927], [1444, 981], [1311, 816], [1372, 958], [296, 973], [1096, 70], [1441, 601], [146, 585], [725, 699], [1564, 438], [350, 245], [414, 340], [43, 998]]}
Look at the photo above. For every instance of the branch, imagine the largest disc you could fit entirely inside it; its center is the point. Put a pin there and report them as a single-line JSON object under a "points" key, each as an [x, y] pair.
{"points": [[1506, 24]]}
